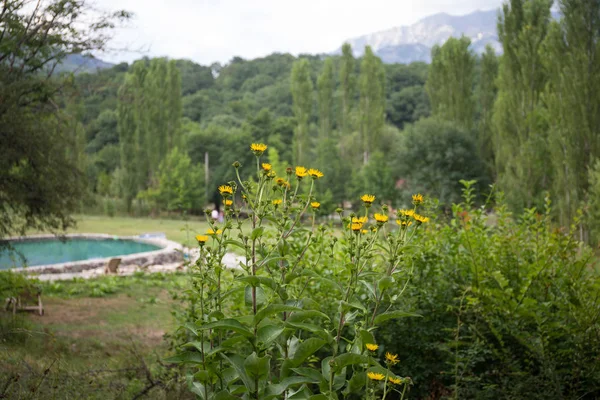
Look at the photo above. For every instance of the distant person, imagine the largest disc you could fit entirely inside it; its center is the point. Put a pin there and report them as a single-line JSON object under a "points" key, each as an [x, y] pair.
{"points": [[214, 214], [221, 216]]}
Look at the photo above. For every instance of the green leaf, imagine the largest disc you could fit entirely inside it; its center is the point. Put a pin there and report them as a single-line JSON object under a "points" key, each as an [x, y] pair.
{"points": [[343, 360], [225, 395], [228, 324], [238, 364], [261, 297], [272, 309], [394, 314], [234, 243], [385, 283], [316, 329], [198, 389], [370, 288], [311, 373], [307, 349], [366, 337], [257, 366], [268, 333], [259, 280], [278, 388], [304, 314], [257, 232]]}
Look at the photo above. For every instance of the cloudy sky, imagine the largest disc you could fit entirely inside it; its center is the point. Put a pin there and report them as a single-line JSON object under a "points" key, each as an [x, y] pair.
{"points": [[207, 31]]}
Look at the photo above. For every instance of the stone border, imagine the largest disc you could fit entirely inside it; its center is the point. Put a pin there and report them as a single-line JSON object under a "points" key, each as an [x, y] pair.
{"points": [[170, 252]]}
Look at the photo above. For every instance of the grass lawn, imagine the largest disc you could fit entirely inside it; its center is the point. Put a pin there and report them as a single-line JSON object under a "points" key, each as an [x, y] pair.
{"points": [[107, 346], [126, 226]]}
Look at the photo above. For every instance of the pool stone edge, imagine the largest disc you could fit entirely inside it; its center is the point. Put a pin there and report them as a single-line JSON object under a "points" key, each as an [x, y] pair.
{"points": [[170, 252]]}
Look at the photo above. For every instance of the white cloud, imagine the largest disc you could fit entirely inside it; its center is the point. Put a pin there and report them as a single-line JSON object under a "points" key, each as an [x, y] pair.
{"points": [[217, 30]]}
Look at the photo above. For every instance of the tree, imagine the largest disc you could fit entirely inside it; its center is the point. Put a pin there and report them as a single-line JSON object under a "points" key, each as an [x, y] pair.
{"points": [[520, 140], [486, 96], [348, 89], [408, 105], [302, 93], [571, 55], [434, 155], [372, 101], [325, 86], [179, 185], [127, 127], [41, 181], [450, 82]]}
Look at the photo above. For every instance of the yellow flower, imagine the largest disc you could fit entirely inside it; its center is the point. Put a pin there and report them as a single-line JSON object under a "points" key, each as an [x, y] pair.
{"points": [[201, 239], [315, 173], [371, 346], [360, 220], [417, 199], [404, 224], [315, 204], [211, 231], [301, 172], [392, 358], [406, 213], [356, 226], [375, 376], [420, 219], [266, 166], [277, 202], [258, 148], [368, 199], [282, 182], [395, 381], [364, 231], [381, 218], [225, 190], [228, 203]]}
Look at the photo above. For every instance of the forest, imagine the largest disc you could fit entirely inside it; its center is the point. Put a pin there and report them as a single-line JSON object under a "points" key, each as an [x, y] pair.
{"points": [[525, 121]]}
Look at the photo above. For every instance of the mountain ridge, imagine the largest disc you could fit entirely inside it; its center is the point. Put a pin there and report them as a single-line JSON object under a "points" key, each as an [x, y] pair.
{"points": [[409, 43]]}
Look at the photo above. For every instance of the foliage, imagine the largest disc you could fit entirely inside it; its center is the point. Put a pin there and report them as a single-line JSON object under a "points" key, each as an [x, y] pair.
{"points": [[434, 156], [297, 317], [571, 55], [450, 82], [509, 305], [41, 181], [522, 155], [372, 101], [179, 185]]}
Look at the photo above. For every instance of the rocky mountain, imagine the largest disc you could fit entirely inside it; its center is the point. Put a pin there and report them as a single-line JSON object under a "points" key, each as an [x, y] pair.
{"points": [[405, 44], [79, 63]]}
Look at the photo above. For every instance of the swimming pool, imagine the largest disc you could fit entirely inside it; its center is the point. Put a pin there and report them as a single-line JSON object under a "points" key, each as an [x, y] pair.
{"points": [[72, 253], [55, 251]]}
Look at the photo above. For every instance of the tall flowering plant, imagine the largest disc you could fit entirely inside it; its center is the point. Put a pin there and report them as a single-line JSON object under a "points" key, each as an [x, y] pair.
{"points": [[297, 319]]}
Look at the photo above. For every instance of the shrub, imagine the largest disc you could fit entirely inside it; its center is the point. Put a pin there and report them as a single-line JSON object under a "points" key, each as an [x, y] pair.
{"points": [[510, 309]]}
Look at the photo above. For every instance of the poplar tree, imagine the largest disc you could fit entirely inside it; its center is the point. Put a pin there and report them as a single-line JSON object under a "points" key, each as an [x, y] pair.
{"points": [[522, 160], [127, 128], [486, 96], [141, 154], [450, 82], [302, 94], [348, 89], [325, 86], [572, 97], [156, 96], [174, 105], [372, 101]]}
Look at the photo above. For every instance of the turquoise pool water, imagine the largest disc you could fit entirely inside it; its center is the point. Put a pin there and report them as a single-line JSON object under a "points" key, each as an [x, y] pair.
{"points": [[53, 251]]}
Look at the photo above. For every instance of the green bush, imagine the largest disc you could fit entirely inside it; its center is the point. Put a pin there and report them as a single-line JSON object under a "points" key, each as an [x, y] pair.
{"points": [[510, 309]]}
